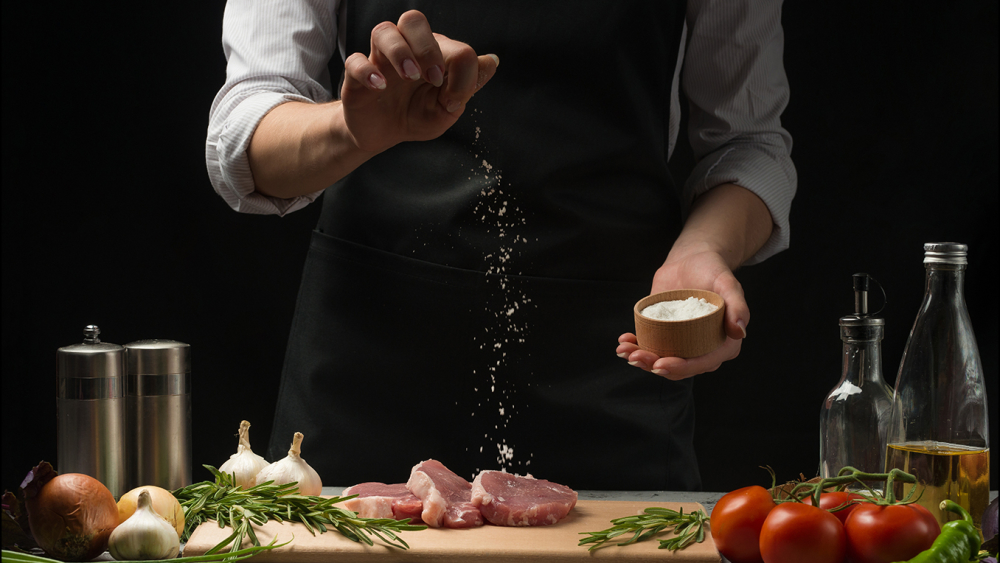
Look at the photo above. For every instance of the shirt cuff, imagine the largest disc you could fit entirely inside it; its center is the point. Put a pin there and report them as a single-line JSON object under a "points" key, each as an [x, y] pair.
{"points": [[767, 173], [229, 168]]}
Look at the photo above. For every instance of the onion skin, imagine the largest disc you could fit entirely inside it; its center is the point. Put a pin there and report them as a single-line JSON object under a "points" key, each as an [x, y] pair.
{"points": [[162, 503], [72, 517]]}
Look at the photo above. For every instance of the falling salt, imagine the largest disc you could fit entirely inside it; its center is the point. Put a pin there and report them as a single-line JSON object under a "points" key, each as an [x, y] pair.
{"points": [[499, 216], [506, 453]]}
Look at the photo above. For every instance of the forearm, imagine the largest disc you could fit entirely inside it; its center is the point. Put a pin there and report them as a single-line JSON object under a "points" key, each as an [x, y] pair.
{"points": [[729, 220], [300, 148]]}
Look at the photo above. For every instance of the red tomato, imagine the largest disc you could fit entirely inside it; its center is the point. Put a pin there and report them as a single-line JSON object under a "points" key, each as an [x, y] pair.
{"points": [[797, 533], [882, 534], [828, 501], [736, 522]]}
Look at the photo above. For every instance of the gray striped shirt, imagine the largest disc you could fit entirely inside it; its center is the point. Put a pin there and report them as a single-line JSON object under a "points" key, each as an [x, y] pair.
{"points": [[730, 67]]}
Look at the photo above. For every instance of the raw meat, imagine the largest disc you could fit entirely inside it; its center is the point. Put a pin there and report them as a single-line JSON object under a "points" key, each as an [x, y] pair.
{"points": [[447, 497], [511, 500], [378, 500]]}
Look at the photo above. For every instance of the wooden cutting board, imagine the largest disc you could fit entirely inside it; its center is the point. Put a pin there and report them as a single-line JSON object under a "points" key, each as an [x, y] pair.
{"points": [[487, 544]]}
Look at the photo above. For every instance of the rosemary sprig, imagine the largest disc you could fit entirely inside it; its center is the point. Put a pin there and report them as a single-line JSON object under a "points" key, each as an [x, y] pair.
{"points": [[688, 528], [228, 504]]}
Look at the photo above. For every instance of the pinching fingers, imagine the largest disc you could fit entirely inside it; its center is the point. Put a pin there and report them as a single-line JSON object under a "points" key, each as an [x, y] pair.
{"points": [[427, 56], [462, 73], [487, 68], [361, 73], [389, 46]]}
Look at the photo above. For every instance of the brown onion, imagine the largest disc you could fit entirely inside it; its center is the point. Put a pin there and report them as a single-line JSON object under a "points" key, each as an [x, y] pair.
{"points": [[72, 517]]}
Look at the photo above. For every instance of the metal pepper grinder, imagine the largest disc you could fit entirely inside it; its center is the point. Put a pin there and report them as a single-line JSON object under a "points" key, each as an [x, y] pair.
{"points": [[90, 410], [159, 413]]}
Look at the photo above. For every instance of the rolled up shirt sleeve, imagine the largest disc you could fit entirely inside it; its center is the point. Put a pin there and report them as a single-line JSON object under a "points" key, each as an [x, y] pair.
{"points": [[735, 83], [277, 51]]}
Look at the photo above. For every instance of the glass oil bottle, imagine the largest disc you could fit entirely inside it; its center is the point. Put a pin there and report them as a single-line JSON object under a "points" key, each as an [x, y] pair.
{"points": [[939, 428]]}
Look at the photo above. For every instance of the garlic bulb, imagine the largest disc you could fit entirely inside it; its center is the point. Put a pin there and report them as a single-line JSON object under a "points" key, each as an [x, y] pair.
{"points": [[293, 469], [145, 535], [161, 501], [244, 464]]}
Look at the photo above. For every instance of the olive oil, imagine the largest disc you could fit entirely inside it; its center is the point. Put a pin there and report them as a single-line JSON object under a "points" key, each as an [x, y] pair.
{"points": [[945, 471]]}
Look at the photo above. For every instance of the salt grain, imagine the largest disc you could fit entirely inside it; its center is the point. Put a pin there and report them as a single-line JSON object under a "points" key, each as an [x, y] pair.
{"points": [[501, 216]]}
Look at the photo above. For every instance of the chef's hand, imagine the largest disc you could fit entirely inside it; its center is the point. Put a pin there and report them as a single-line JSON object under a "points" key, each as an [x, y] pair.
{"points": [[727, 225], [700, 270], [412, 87]]}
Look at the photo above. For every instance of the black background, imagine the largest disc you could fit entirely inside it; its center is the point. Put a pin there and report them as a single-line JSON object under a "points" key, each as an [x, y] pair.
{"points": [[109, 218]]}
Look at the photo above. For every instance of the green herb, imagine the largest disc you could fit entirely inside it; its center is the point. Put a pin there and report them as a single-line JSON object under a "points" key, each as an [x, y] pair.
{"points": [[688, 528], [228, 504], [240, 555]]}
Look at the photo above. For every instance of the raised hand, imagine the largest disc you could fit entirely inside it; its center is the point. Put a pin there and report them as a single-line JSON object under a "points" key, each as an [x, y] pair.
{"points": [[413, 85]]}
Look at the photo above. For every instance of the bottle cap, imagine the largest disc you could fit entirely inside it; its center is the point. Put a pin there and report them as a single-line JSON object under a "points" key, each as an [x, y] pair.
{"points": [[946, 253]]}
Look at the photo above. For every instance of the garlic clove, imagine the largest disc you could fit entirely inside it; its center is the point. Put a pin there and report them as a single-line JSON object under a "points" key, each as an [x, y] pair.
{"points": [[293, 469], [145, 535], [244, 464]]}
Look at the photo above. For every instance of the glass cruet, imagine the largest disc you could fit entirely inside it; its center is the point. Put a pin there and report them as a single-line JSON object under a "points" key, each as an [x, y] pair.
{"points": [[855, 414], [939, 427]]}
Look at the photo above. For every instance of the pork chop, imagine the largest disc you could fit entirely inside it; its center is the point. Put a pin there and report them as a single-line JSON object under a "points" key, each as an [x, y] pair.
{"points": [[447, 498], [378, 500], [505, 499]]}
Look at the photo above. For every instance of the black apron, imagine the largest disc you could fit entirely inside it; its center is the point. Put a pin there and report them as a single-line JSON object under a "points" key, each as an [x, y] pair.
{"points": [[462, 297]]}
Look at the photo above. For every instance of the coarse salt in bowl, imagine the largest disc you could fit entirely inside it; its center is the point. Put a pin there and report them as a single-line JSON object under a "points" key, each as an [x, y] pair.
{"points": [[688, 338]]}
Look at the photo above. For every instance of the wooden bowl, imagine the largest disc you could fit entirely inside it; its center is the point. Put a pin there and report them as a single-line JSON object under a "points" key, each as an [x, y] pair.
{"points": [[681, 339]]}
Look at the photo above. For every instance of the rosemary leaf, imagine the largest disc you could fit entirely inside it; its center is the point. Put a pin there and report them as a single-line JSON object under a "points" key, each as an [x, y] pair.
{"points": [[305, 520], [198, 505], [253, 536]]}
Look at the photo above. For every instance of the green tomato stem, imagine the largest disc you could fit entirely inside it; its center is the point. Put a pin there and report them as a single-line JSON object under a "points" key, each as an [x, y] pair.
{"points": [[849, 475]]}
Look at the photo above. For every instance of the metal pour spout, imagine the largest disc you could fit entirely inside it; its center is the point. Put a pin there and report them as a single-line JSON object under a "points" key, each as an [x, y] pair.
{"points": [[861, 294]]}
